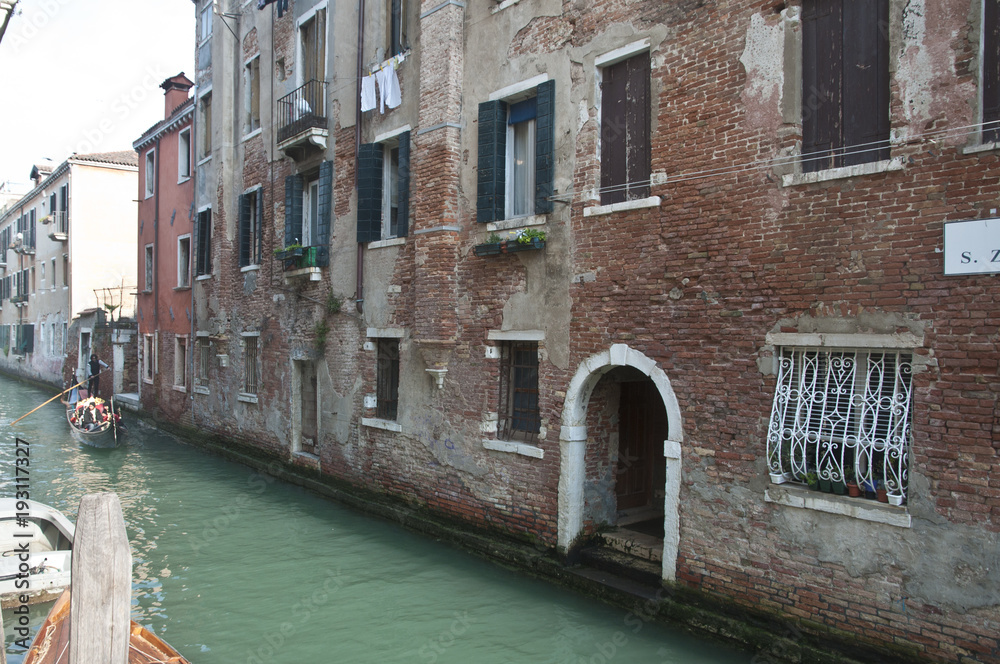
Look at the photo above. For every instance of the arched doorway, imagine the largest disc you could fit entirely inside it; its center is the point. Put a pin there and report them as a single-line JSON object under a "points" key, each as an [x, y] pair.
{"points": [[639, 427]]}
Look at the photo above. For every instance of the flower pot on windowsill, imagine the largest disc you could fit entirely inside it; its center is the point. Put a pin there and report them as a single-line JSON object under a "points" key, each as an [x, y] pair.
{"points": [[779, 478], [512, 246], [488, 249], [896, 500], [854, 490], [881, 493], [288, 254], [826, 486]]}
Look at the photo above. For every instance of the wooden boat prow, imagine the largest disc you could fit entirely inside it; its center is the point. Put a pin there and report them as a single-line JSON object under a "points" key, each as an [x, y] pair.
{"points": [[51, 644]]}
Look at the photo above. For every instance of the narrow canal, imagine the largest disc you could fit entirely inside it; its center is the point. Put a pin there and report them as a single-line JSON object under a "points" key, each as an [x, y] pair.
{"points": [[233, 566]]}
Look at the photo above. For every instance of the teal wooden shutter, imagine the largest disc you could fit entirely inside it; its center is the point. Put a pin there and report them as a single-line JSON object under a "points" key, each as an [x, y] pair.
{"points": [[260, 227], [370, 159], [492, 161], [244, 218], [293, 210], [324, 223], [544, 146], [403, 189]]}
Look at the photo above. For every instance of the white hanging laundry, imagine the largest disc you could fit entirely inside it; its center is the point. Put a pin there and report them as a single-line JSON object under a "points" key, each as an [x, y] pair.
{"points": [[388, 84], [368, 93]]}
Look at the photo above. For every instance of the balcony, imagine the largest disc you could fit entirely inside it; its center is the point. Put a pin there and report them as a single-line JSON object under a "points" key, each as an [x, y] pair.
{"points": [[302, 123], [60, 226], [300, 263], [19, 299]]}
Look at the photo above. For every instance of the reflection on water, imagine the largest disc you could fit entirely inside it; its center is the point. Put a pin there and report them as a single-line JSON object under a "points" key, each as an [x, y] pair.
{"points": [[231, 565]]}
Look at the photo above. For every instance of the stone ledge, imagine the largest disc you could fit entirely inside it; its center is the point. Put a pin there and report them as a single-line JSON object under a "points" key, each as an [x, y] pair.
{"points": [[855, 508]]}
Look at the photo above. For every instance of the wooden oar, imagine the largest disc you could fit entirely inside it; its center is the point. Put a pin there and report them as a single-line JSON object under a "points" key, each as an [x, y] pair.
{"points": [[55, 397]]}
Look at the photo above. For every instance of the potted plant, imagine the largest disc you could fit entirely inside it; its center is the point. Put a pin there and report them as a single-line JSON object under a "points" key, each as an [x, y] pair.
{"points": [[853, 489], [812, 480], [492, 246], [527, 239], [881, 493], [293, 250]]}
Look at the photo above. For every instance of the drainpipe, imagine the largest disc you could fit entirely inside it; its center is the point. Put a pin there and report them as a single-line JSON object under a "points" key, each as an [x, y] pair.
{"points": [[359, 279], [194, 255], [156, 235]]}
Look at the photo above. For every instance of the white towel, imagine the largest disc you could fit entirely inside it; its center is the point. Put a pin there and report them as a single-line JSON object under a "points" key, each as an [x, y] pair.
{"points": [[388, 85], [368, 93]]}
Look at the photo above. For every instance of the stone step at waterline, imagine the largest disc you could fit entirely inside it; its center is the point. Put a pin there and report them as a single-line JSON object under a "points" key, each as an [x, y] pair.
{"points": [[639, 545]]}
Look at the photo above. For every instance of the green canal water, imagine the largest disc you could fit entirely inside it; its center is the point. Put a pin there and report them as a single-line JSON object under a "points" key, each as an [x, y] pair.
{"points": [[231, 566]]}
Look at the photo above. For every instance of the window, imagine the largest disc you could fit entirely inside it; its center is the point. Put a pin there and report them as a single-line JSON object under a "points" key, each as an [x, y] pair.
{"points": [[251, 217], [150, 172], [309, 212], [149, 268], [184, 155], [625, 113], [384, 189], [845, 83], [43, 276], [53, 274], [842, 413], [184, 261], [206, 23], [205, 127], [312, 33], [202, 359], [250, 372], [518, 407], [991, 70], [203, 237], [516, 139], [251, 103], [396, 41], [387, 380], [66, 269], [147, 358], [180, 361]]}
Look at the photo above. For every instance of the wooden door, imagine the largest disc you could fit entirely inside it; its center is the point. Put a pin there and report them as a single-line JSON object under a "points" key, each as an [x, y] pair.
{"points": [[309, 424], [642, 428]]}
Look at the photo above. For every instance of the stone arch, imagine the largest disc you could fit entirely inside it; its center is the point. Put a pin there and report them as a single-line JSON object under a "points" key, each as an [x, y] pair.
{"points": [[573, 441]]}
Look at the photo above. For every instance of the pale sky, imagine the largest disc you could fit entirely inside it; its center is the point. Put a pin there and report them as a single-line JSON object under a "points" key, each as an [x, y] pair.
{"points": [[84, 75]]}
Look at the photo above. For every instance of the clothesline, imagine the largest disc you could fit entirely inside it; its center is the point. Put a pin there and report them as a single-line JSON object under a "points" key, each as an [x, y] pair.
{"points": [[387, 92]]}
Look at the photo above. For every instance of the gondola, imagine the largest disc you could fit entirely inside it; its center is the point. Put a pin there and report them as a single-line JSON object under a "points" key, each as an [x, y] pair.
{"points": [[92, 421], [51, 644]]}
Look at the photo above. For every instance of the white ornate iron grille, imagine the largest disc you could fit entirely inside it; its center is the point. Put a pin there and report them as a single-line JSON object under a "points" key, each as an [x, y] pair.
{"points": [[842, 414]]}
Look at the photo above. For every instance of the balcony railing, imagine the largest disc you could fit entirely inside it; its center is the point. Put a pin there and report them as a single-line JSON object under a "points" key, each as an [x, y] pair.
{"points": [[302, 110]]}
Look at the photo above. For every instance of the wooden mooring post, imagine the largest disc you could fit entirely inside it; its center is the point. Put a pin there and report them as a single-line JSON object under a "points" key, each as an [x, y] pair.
{"points": [[101, 583]]}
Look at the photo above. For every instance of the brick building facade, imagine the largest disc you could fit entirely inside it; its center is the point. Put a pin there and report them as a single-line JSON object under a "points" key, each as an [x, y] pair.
{"points": [[599, 263], [165, 256]]}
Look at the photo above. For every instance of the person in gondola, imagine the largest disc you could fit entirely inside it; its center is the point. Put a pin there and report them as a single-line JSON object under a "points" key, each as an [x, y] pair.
{"points": [[96, 366], [71, 397], [91, 418]]}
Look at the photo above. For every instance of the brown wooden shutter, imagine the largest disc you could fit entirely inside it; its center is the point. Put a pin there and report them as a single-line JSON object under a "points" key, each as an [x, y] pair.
{"points": [[637, 126], [614, 79], [991, 71], [866, 81], [822, 65]]}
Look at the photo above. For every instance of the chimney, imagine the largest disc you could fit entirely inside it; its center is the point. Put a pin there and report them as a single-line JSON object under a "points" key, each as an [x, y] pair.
{"points": [[175, 91]]}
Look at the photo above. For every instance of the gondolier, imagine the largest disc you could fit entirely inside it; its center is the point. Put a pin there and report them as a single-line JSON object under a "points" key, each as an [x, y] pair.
{"points": [[96, 366]]}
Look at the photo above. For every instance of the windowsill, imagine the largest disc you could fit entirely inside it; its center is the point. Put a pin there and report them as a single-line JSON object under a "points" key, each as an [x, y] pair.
{"points": [[178, 388], [183, 179], [147, 381], [204, 160], [181, 288], [376, 423], [255, 132], [148, 195], [857, 508], [637, 204], [200, 389], [514, 447], [249, 268], [517, 222], [247, 398], [391, 242], [871, 168], [984, 147], [203, 277]]}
